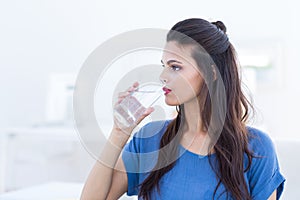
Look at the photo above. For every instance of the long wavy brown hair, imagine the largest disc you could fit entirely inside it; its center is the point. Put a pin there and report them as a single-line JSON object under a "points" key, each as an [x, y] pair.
{"points": [[231, 146]]}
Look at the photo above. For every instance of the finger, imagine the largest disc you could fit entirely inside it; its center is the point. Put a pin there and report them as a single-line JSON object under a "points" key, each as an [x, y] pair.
{"points": [[136, 84], [120, 100], [133, 87], [130, 89], [147, 112], [123, 94]]}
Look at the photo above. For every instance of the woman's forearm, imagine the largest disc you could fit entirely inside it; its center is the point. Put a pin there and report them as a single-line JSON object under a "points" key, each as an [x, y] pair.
{"points": [[99, 180]]}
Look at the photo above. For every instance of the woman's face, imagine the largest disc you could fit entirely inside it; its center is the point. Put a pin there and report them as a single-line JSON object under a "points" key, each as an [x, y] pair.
{"points": [[181, 74]]}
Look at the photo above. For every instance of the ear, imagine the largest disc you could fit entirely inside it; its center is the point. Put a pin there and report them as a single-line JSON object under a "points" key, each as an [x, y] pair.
{"points": [[214, 71]]}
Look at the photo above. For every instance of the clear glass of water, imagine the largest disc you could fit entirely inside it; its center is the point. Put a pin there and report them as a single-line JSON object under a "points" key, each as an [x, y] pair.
{"points": [[132, 107]]}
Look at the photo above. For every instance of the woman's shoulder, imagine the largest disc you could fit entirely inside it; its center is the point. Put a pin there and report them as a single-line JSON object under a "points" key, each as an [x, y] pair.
{"points": [[147, 138], [153, 128], [259, 141], [264, 174]]}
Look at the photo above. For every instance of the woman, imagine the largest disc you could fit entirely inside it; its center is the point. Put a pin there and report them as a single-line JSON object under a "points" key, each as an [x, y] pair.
{"points": [[207, 151]]}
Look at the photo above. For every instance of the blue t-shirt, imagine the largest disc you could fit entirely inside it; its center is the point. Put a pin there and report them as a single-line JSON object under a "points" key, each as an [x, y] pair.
{"points": [[192, 177]]}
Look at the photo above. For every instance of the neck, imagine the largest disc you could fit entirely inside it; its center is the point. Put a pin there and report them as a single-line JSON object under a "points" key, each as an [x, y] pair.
{"points": [[192, 118], [194, 137]]}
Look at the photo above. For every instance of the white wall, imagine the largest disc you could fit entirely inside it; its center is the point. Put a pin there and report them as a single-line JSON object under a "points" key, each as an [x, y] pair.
{"points": [[40, 37]]}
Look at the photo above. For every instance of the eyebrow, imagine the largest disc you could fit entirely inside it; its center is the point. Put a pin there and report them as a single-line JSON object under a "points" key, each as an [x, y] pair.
{"points": [[170, 61]]}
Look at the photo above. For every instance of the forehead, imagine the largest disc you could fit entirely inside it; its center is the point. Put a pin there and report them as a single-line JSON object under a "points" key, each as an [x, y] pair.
{"points": [[174, 51]]}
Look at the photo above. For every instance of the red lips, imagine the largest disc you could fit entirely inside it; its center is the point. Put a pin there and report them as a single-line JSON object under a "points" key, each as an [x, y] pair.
{"points": [[166, 90]]}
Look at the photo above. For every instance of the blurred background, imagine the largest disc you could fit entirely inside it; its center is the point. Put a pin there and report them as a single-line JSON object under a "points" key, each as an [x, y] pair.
{"points": [[43, 45]]}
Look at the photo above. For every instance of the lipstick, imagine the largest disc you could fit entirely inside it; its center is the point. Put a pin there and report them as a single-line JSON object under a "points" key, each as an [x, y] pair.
{"points": [[166, 90]]}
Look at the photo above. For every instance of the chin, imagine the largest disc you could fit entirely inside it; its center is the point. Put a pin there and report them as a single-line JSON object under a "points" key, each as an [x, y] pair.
{"points": [[171, 103]]}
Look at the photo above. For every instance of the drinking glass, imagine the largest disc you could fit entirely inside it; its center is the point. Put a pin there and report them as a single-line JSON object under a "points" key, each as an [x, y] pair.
{"points": [[133, 106]]}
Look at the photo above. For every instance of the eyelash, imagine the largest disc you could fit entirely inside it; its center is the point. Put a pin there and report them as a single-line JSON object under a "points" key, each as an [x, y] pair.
{"points": [[174, 67]]}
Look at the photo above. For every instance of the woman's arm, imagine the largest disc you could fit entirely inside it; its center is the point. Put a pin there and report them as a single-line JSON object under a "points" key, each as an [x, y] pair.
{"points": [[105, 181], [119, 182], [273, 196]]}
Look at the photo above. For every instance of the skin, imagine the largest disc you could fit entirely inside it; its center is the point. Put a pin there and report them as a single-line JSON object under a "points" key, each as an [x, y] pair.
{"points": [[182, 76], [185, 81]]}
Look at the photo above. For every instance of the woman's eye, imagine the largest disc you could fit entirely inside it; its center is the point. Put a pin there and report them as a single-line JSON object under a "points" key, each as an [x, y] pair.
{"points": [[175, 68]]}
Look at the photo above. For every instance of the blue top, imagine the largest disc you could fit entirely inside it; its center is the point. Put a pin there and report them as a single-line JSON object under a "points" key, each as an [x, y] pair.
{"points": [[192, 176]]}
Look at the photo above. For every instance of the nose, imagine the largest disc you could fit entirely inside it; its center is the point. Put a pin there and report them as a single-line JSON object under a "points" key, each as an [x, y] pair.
{"points": [[162, 79], [164, 76]]}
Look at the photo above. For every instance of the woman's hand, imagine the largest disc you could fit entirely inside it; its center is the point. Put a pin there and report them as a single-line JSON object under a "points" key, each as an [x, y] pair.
{"points": [[118, 126]]}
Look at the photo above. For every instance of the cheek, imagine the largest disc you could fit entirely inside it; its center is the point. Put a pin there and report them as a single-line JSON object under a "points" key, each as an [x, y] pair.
{"points": [[190, 85], [186, 89], [197, 84]]}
